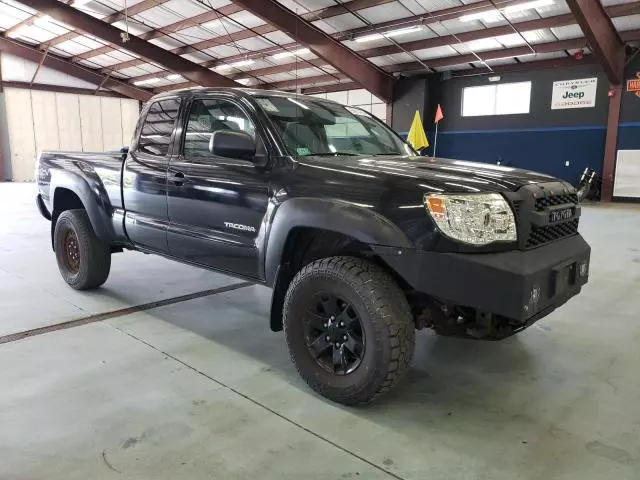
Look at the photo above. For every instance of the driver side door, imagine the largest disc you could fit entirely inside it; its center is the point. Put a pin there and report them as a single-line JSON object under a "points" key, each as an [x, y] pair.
{"points": [[216, 204]]}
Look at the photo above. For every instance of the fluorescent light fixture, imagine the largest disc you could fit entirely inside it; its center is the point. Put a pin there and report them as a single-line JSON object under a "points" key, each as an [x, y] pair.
{"points": [[528, 6], [147, 81], [390, 33], [495, 78], [241, 63], [402, 31], [301, 51], [173, 76], [301, 105], [244, 81]]}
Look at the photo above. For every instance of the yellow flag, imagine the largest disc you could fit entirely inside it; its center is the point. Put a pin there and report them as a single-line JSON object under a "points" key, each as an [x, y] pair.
{"points": [[416, 137]]}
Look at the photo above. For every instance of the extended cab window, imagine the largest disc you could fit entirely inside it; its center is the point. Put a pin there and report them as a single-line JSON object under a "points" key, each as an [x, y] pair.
{"points": [[209, 115], [155, 136]]}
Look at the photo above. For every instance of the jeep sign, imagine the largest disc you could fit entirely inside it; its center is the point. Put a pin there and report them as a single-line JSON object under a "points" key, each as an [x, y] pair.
{"points": [[579, 93]]}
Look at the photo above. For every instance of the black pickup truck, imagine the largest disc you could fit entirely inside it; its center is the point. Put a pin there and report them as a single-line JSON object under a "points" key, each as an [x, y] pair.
{"points": [[361, 240]]}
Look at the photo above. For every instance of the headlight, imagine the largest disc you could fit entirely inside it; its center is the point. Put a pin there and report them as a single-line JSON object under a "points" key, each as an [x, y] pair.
{"points": [[477, 219]]}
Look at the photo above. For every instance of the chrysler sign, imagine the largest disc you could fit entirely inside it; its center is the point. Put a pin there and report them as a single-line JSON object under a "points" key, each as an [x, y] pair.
{"points": [[579, 93]]}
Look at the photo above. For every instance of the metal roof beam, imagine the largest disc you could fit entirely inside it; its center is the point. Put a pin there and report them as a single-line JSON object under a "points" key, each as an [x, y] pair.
{"points": [[51, 61], [602, 35], [151, 52], [344, 59]]}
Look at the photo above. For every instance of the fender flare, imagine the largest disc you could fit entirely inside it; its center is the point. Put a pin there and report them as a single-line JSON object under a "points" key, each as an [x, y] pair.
{"points": [[339, 216], [88, 186]]}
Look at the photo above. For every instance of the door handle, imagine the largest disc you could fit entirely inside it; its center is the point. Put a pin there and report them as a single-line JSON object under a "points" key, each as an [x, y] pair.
{"points": [[178, 178]]}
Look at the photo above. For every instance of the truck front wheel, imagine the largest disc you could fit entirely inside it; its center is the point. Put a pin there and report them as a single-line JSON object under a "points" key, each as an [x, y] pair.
{"points": [[83, 260], [349, 329]]}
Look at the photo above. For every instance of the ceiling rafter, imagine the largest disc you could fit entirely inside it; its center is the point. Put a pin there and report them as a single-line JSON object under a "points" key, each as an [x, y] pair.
{"points": [[54, 62], [603, 36], [113, 18], [614, 11], [98, 28], [345, 60]]}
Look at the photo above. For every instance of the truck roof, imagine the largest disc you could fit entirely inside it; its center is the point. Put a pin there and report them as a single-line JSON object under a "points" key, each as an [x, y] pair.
{"points": [[239, 91]]}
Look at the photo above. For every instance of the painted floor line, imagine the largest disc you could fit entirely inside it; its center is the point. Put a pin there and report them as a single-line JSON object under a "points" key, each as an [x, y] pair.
{"points": [[119, 313]]}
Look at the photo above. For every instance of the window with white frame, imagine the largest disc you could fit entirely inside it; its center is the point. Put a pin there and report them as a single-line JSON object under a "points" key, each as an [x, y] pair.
{"points": [[500, 99]]}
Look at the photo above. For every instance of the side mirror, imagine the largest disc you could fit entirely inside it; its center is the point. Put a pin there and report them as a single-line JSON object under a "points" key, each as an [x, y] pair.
{"points": [[233, 144]]}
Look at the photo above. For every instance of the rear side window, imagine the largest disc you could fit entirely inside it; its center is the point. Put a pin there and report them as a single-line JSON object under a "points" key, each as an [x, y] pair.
{"points": [[158, 127]]}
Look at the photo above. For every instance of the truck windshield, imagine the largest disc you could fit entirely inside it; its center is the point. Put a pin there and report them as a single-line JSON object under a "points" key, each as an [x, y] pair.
{"points": [[315, 127]]}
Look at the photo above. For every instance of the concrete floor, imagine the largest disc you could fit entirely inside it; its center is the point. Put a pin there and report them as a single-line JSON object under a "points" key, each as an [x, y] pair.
{"points": [[202, 389]]}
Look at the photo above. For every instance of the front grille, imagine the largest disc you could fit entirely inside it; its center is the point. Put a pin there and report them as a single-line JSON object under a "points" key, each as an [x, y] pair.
{"points": [[541, 235], [553, 200]]}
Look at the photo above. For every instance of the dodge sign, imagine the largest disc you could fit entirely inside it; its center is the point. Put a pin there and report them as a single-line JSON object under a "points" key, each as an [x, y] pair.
{"points": [[579, 93]]}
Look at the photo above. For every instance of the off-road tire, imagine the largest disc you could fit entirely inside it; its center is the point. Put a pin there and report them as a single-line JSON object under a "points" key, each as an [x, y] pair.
{"points": [[89, 263], [385, 316]]}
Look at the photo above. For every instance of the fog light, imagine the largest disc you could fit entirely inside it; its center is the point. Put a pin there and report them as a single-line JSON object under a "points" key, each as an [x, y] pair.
{"points": [[584, 269]]}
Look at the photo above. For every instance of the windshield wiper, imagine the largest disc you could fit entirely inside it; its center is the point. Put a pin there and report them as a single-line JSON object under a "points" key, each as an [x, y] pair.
{"points": [[333, 154]]}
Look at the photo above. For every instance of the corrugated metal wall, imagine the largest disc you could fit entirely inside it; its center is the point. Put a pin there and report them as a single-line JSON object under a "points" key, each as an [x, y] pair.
{"points": [[39, 120]]}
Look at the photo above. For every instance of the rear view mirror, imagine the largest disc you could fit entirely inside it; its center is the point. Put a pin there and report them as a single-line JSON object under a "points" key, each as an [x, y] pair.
{"points": [[233, 144]]}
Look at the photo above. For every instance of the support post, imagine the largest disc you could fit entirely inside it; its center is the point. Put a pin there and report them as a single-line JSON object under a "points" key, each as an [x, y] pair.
{"points": [[611, 144]]}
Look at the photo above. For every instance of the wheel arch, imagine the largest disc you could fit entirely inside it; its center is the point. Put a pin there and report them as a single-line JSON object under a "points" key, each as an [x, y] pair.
{"points": [[71, 190], [301, 223]]}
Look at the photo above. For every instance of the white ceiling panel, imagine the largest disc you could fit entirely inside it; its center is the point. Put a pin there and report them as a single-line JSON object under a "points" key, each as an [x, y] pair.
{"points": [[495, 63], [254, 43], [122, 55], [607, 3], [384, 13], [247, 19], [339, 23], [391, 59], [194, 35], [88, 63], [57, 51], [222, 27], [294, 6], [435, 52], [120, 4], [136, 28], [150, 68], [185, 8], [33, 34], [197, 57], [167, 43], [567, 32], [454, 26], [222, 51], [88, 42], [96, 9], [374, 43], [11, 4], [435, 5], [511, 40], [133, 72], [104, 60], [72, 47], [629, 22], [279, 37], [560, 7], [313, 5], [278, 77], [541, 35], [158, 17]]}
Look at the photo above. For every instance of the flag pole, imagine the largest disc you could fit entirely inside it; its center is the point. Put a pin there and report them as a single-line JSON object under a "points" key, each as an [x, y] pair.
{"points": [[435, 141]]}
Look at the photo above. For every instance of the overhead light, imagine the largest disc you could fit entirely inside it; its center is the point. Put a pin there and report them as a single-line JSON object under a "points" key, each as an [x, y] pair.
{"points": [[173, 76], [301, 51], [495, 78], [241, 63], [528, 6], [147, 81], [244, 81], [390, 33]]}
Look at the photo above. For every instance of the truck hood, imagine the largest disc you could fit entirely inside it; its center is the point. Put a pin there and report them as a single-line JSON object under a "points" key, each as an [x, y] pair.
{"points": [[439, 173]]}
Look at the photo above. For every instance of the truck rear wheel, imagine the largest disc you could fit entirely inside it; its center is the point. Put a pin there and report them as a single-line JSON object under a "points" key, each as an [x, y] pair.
{"points": [[349, 329], [83, 260]]}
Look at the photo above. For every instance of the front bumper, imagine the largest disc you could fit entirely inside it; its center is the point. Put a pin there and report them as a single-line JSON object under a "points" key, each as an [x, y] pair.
{"points": [[518, 285]]}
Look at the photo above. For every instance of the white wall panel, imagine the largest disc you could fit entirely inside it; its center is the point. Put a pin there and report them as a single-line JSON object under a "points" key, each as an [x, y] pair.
{"points": [[68, 109], [130, 110], [45, 120], [91, 124], [21, 137], [16, 69], [111, 123]]}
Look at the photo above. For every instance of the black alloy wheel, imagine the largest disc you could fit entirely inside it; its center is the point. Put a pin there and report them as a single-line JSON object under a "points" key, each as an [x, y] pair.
{"points": [[334, 334]]}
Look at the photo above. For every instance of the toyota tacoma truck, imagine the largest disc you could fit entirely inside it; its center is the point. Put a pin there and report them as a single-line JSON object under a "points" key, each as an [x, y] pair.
{"points": [[361, 240]]}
